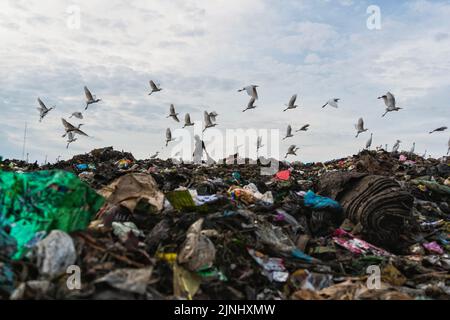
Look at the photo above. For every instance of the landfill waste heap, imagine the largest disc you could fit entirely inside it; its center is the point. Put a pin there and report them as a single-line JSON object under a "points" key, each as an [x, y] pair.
{"points": [[104, 225]]}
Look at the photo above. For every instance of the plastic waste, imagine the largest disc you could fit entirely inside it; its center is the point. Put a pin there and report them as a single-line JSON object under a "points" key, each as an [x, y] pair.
{"points": [[43, 201], [297, 253], [133, 189], [240, 194], [433, 186], [87, 176], [236, 176], [267, 197], [433, 247], [447, 182], [317, 202], [55, 253], [303, 279], [159, 233], [32, 289], [185, 283], [127, 279], [181, 200], [273, 268], [283, 175], [355, 245], [124, 163], [85, 166], [123, 229], [212, 273], [206, 188], [170, 258], [201, 200], [392, 275], [81, 166], [284, 216], [249, 194], [197, 251]]}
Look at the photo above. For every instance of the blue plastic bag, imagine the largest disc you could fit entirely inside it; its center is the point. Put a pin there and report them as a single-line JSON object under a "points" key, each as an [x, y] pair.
{"points": [[317, 202]]}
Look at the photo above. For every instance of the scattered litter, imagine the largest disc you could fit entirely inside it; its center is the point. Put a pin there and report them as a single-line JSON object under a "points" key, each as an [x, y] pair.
{"points": [[159, 229]]}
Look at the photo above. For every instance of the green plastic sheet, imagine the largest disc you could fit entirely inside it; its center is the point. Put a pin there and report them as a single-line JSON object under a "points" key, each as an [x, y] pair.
{"points": [[44, 201]]}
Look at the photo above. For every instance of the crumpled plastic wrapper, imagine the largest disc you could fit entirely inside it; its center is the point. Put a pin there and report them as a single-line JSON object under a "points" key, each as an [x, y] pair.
{"points": [[198, 251], [130, 189], [130, 280], [55, 253]]}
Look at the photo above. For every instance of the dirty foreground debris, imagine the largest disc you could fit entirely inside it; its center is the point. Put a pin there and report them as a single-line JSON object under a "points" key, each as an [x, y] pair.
{"points": [[104, 225]]}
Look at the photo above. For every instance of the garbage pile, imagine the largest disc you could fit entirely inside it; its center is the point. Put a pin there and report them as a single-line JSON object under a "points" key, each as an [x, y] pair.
{"points": [[105, 225]]}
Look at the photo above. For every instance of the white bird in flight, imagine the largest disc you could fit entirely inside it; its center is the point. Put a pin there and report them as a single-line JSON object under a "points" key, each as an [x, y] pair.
{"points": [[292, 151], [304, 128], [440, 129], [187, 121], [360, 127], [68, 127], [332, 103], [90, 99], [251, 104], [208, 121], [173, 114], [70, 138], [251, 91], [43, 110], [291, 104], [154, 87], [389, 101], [396, 146], [213, 115], [369, 142], [155, 155], [168, 136], [77, 115], [288, 132]]}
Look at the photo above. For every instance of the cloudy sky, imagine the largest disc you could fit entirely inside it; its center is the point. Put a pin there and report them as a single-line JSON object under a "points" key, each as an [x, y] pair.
{"points": [[201, 52]]}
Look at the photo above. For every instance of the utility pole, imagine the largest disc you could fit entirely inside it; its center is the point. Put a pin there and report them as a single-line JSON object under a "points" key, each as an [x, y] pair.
{"points": [[24, 141]]}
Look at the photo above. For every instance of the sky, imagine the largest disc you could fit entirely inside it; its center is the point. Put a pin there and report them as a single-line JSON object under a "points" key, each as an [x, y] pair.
{"points": [[202, 52]]}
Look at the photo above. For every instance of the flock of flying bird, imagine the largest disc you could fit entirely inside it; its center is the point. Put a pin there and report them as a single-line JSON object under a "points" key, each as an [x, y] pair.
{"points": [[70, 129], [389, 101], [210, 118]]}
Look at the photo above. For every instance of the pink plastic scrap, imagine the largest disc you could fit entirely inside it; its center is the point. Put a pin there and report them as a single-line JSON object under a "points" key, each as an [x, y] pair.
{"points": [[355, 245], [273, 268], [403, 158], [283, 175], [433, 247]]}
